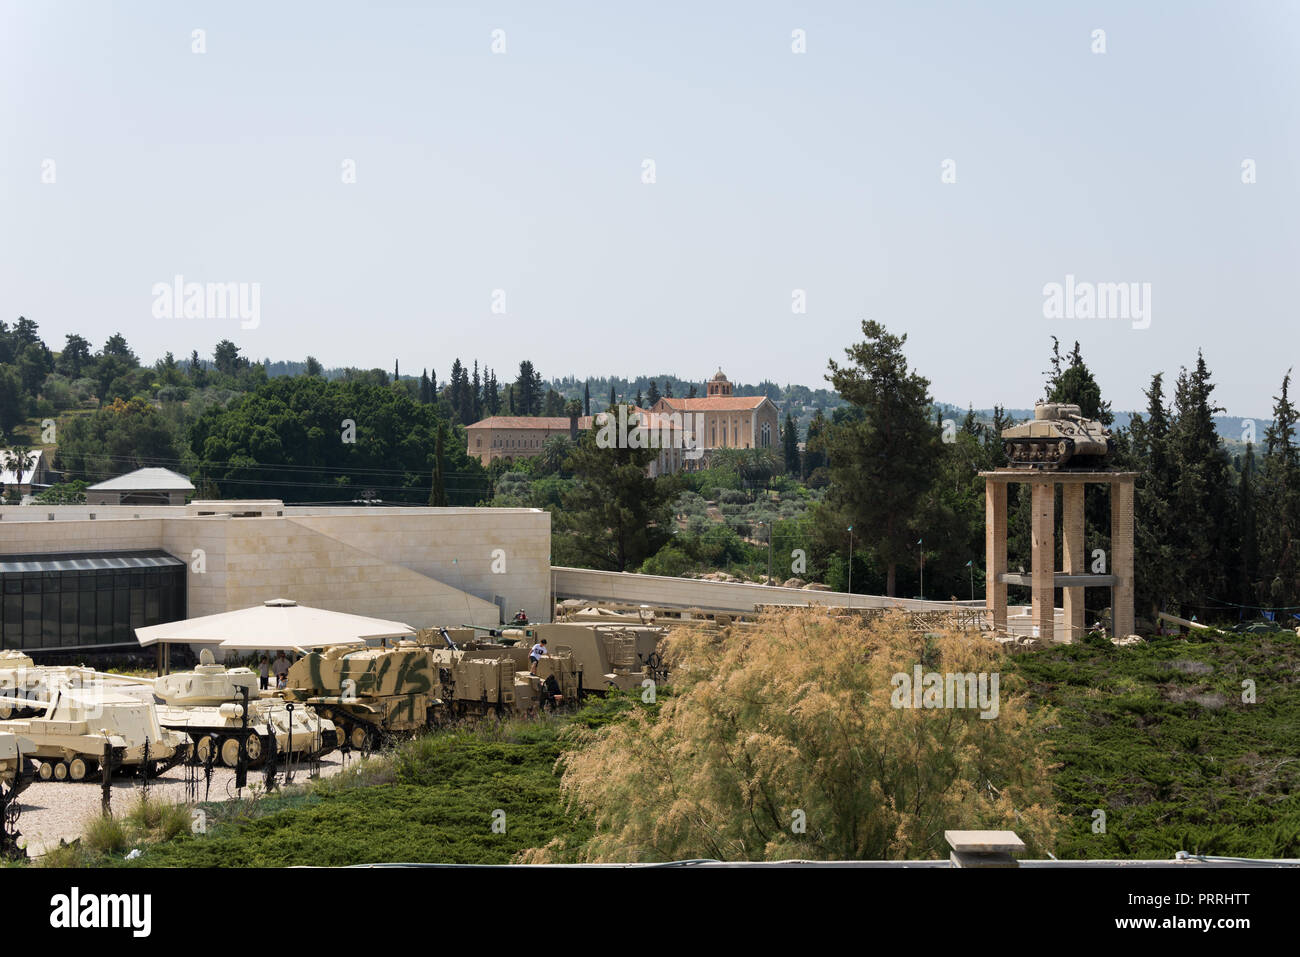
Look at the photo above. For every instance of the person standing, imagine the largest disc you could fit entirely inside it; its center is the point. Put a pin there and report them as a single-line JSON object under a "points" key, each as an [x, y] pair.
{"points": [[281, 668], [264, 673], [535, 653]]}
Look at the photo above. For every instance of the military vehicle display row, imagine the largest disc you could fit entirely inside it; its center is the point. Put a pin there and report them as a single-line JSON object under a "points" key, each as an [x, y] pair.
{"points": [[442, 674], [350, 696]]}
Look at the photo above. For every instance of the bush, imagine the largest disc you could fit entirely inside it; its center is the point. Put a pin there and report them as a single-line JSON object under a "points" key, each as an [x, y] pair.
{"points": [[797, 714], [669, 560]]}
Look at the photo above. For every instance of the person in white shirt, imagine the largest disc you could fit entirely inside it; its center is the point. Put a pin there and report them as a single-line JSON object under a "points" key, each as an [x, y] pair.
{"points": [[535, 653]]}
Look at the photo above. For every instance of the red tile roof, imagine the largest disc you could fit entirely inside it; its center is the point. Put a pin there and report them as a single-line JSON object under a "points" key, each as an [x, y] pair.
{"points": [[716, 403]]}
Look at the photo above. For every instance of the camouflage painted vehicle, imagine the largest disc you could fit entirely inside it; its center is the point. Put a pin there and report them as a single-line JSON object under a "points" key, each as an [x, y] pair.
{"points": [[368, 692], [1058, 435], [207, 704], [76, 724]]}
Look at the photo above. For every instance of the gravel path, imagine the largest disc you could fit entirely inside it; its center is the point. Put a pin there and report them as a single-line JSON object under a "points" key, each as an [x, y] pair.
{"points": [[59, 810]]}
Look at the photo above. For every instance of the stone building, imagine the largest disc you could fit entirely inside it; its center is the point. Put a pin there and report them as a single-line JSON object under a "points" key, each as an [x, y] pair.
{"points": [[84, 576], [724, 420]]}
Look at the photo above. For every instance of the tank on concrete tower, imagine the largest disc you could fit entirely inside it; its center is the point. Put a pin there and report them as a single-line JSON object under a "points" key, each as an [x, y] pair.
{"points": [[1056, 437]]}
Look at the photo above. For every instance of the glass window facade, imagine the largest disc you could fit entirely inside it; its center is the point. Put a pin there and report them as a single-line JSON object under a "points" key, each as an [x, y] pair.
{"points": [[76, 600]]}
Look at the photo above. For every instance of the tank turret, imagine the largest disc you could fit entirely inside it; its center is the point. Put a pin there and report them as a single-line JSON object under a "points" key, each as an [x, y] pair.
{"points": [[1058, 436], [207, 704], [368, 692]]}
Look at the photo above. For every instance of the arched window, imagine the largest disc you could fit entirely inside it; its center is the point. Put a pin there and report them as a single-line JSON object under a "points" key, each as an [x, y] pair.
{"points": [[767, 435]]}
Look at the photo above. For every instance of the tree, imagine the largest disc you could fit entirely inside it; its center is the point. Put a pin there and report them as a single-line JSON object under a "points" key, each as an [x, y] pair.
{"points": [[226, 358], [313, 367], [1075, 384], [653, 396], [13, 401], [796, 720], [586, 398], [790, 444], [117, 438], [528, 390], [1156, 579], [75, 358], [882, 465], [1202, 496], [614, 517], [1279, 503], [438, 493]]}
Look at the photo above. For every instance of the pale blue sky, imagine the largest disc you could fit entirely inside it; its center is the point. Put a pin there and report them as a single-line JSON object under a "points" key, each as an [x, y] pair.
{"points": [[775, 172]]}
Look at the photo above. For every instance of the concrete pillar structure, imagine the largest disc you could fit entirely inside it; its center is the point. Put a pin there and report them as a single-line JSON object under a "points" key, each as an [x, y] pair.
{"points": [[1121, 555], [1044, 579], [1042, 505], [995, 552], [1072, 556]]}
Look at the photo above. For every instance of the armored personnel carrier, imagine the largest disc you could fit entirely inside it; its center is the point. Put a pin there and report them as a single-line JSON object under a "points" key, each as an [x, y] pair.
{"points": [[208, 705], [617, 655], [479, 676], [1056, 437], [368, 692], [74, 725]]}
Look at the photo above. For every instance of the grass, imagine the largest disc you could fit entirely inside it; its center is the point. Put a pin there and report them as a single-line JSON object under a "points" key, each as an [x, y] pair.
{"points": [[1157, 736], [430, 799]]}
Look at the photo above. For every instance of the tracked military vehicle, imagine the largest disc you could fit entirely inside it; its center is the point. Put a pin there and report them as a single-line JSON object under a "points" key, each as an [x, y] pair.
{"points": [[616, 655], [207, 704], [76, 724], [1057, 437], [368, 692], [481, 676]]}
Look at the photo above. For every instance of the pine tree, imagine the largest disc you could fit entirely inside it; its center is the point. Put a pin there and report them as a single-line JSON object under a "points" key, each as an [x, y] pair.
{"points": [[668, 388], [693, 393], [586, 398], [397, 372], [1279, 504], [884, 462], [438, 493], [1201, 498], [640, 403], [611, 396], [476, 394], [653, 395], [790, 443], [1156, 579]]}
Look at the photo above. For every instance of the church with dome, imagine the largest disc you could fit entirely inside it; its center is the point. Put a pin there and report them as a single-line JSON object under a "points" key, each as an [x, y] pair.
{"points": [[727, 421]]}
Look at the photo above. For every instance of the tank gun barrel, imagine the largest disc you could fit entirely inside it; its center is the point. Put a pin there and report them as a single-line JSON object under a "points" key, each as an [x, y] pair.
{"points": [[24, 699], [447, 638]]}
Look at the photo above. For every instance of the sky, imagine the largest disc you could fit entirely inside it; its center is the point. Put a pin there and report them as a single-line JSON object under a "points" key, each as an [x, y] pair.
{"points": [[500, 207]]}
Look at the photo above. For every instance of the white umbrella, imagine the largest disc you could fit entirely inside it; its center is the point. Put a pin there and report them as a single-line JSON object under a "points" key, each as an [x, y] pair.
{"points": [[277, 624]]}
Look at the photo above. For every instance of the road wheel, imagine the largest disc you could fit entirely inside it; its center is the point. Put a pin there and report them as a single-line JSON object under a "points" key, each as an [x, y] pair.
{"points": [[77, 769], [45, 771], [205, 747], [359, 737], [254, 747], [61, 771], [230, 752]]}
